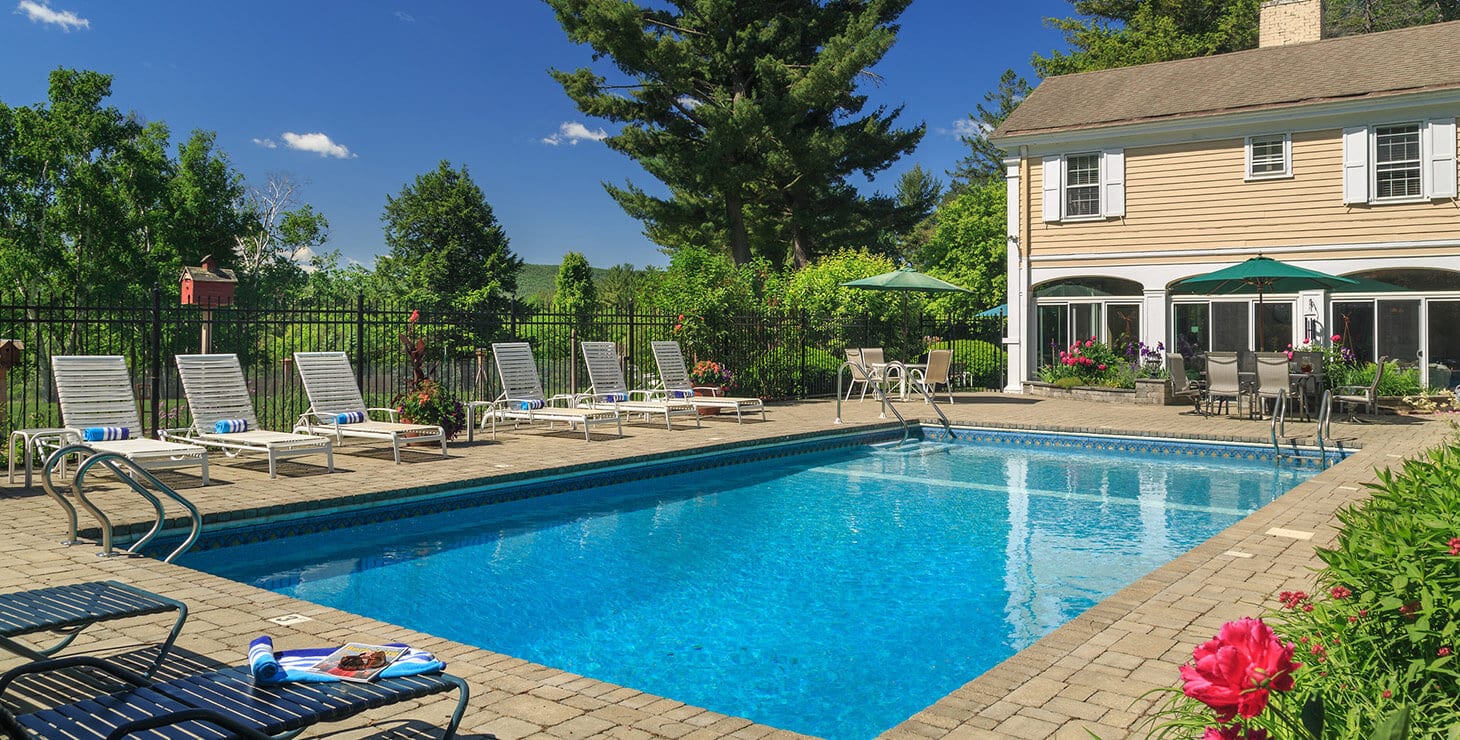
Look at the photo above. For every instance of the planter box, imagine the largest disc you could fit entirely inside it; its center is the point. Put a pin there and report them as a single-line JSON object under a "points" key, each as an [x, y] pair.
{"points": [[1148, 392]]}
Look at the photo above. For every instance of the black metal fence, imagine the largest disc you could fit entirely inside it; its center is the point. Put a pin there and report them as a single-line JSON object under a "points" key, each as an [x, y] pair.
{"points": [[773, 355]]}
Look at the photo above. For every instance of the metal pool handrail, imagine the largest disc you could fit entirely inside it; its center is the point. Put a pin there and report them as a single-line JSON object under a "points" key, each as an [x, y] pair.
{"points": [[876, 390], [115, 462]]}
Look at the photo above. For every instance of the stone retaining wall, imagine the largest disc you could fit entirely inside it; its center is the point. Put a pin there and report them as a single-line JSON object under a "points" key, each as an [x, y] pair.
{"points": [[1148, 392]]}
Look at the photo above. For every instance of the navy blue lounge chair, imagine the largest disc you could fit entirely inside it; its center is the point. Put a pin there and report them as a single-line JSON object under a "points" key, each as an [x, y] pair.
{"points": [[218, 704], [71, 609]]}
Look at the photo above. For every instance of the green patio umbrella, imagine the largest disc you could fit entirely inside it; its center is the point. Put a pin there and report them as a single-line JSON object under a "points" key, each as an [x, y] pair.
{"points": [[1263, 275], [906, 280]]}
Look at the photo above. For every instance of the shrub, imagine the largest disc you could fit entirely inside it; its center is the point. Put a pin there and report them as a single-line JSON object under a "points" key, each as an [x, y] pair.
{"points": [[1091, 361], [1396, 381], [1377, 639], [984, 362]]}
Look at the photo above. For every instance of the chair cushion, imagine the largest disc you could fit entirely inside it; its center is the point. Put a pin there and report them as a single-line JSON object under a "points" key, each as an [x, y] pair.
{"points": [[226, 426], [350, 417], [105, 434]]}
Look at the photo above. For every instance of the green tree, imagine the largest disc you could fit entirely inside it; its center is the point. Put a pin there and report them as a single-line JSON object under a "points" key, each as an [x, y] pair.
{"points": [[1121, 33], [203, 197], [574, 294], [747, 112], [969, 247], [986, 161], [618, 285], [446, 248], [1345, 17]]}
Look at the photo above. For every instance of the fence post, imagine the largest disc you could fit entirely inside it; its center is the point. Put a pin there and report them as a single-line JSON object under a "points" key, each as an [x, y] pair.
{"points": [[156, 359], [804, 390], [630, 318], [360, 340], [573, 359]]}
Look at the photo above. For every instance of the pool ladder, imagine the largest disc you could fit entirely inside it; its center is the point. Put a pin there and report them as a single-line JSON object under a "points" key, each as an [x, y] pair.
{"points": [[881, 395], [1323, 434], [128, 472]]}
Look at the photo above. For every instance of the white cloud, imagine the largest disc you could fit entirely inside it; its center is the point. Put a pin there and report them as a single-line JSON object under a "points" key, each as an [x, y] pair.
{"points": [[405, 17], [572, 132], [965, 127], [40, 12], [688, 102], [266, 143], [318, 143]]}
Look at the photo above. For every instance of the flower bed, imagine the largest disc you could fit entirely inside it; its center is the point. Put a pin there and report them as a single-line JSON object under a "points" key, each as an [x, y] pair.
{"points": [[1148, 392]]}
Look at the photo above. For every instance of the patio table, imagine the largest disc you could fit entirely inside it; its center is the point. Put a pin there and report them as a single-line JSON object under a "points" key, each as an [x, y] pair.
{"points": [[879, 373]]}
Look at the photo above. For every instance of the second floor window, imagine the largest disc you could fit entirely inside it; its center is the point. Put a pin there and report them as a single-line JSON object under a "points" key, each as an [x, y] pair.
{"points": [[1268, 157], [1082, 185], [1397, 163]]}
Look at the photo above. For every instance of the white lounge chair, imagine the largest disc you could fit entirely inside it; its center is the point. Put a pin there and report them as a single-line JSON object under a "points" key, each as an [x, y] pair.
{"points": [[675, 378], [611, 391], [334, 398], [523, 399], [217, 393], [95, 392]]}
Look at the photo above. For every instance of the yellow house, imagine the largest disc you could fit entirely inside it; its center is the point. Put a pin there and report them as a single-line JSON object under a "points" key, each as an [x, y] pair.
{"points": [[1336, 155]]}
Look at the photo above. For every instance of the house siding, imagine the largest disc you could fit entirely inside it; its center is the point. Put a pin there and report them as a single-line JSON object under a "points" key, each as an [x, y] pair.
{"points": [[1193, 196]]}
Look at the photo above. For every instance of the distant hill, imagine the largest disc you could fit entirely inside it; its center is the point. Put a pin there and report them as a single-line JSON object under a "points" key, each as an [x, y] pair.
{"points": [[536, 282]]}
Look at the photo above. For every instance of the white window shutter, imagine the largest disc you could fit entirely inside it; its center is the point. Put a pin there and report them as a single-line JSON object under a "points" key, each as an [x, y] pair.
{"points": [[1356, 165], [1112, 182], [1054, 173], [1441, 134]]}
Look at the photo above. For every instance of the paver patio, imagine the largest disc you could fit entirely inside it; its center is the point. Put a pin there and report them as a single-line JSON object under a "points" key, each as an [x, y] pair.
{"points": [[1088, 675]]}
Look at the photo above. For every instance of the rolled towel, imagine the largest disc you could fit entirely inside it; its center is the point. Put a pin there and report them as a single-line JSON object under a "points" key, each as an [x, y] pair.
{"points": [[262, 663], [681, 393], [531, 404], [350, 417], [616, 397], [226, 426], [104, 434]]}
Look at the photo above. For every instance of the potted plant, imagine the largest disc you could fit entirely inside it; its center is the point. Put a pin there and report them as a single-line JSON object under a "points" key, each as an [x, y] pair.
{"points": [[710, 378], [426, 401]]}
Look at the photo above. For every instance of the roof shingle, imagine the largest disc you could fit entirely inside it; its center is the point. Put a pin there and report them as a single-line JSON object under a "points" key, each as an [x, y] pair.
{"points": [[1407, 60]]}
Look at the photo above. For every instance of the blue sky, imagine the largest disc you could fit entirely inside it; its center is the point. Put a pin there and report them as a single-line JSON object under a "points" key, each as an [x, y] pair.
{"points": [[355, 99]]}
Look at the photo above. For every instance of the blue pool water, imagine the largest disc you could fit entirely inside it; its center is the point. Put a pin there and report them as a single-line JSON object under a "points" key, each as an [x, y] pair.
{"points": [[833, 593]]}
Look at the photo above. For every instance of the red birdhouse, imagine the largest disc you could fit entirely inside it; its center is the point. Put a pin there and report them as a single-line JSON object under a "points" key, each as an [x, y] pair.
{"points": [[208, 285]]}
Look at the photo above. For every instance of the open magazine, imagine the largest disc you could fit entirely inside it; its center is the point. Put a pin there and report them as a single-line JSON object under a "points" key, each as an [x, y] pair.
{"points": [[357, 661]]}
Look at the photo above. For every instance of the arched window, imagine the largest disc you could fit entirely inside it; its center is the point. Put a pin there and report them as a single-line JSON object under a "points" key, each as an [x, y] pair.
{"points": [[1106, 308]]}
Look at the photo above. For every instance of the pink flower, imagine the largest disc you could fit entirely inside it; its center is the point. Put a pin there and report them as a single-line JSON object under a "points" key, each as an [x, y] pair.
{"points": [[1102, 366], [1291, 599], [415, 316], [1442, 652], [1387, 693], [1339, 592], [1233, 672], [1336, 338], [1454, 544], [1090, 343]]}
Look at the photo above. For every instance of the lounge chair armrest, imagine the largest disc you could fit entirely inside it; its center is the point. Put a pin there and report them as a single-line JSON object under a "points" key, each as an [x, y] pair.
{"points": [[715, 389], [392, 414], [567, 399], [1351, 390], [181, 434], [55, 664]]}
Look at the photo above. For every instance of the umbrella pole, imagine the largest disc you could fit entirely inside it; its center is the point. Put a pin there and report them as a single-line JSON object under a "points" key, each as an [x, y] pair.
{"points": [[1258, 343]]}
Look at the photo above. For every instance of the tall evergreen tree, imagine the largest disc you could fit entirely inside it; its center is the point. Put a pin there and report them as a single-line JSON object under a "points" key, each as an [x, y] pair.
{"points": [[1121, 33], [446, 247], [574, 293], [986, 161], [746, 111]]}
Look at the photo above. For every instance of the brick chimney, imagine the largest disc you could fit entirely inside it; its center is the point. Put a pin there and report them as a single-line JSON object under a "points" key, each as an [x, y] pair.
{"points": [[1284, 22]]}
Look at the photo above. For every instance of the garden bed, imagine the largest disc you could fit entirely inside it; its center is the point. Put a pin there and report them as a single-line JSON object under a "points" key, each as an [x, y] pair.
{"points": [[1148, 392]]}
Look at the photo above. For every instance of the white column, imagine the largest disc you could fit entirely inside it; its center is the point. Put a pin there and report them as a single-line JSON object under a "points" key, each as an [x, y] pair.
{"points": [[1017, 337], [1154, 319]]}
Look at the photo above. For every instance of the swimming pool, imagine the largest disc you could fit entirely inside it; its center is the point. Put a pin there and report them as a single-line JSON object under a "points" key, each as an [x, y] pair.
{"points": [[833, 592]]}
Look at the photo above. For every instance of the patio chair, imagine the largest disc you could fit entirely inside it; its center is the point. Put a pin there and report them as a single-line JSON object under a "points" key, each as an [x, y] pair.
{"points": [[860, 373], [72, 608], [218, 400], [1272, 379], [875, 362], [223, 703], [1183, 386], [1358, 394], [99, 410], [337, 409], [675, 381], [611, 392], [523, 399], [939, 361], [1223, 382]]}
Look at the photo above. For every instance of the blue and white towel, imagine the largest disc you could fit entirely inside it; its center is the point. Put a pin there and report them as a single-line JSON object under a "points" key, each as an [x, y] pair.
{"points": [[681, 393], [614, 397], [228, 426], [350, 417], [531, 404], [271, 669], [104, 434]]}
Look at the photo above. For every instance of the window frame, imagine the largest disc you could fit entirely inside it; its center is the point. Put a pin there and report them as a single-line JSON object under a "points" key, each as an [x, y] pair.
{"points": [[1287, 157], [1096, 186], [1418, 164]]}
